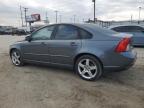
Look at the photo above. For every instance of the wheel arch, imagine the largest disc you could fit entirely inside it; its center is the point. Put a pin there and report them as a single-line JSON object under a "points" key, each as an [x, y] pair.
{"points": [[82, 54], [14, 48]]}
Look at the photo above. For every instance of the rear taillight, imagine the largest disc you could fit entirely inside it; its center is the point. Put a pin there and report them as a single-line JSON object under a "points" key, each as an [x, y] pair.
{"points": [[123, 46]]}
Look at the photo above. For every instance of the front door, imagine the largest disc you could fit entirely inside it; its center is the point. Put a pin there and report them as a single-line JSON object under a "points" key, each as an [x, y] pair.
{"points": [[37, 49]]}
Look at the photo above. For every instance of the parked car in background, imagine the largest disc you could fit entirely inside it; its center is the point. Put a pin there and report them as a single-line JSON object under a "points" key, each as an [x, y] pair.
{"points": [[6, 30], [9, 30], [88, 49], [20, 32], [2, 31], [136, 30]]}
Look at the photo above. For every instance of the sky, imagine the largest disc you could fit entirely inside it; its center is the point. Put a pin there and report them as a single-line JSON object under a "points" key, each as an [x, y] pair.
{"points": [[106, 10]]}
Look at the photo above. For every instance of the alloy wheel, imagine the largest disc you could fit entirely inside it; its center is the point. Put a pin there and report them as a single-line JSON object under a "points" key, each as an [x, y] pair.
{"points": [[87, 68], [15, 56]]}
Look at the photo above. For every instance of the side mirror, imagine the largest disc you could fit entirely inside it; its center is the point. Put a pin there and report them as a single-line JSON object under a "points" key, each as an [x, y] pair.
{"points": [[28, 38]]}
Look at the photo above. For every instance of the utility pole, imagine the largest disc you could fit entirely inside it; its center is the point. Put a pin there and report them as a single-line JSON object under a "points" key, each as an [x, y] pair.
{"points": [[25, 10], [47, 20], [140, 13], [83, 20], [60, 18], [21, 15], [78, 20], [56, 15], [74, 18], [46, 16], [94, 1], [131, 18], [71, 20]]}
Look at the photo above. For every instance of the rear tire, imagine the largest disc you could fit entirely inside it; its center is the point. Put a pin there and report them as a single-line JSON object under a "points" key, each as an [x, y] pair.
{"points": [[16, 58], [88, 68]]}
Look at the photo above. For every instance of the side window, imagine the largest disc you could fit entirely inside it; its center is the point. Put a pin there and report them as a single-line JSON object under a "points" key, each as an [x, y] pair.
{"points": [[84, 34], [43, 34], [119, 29], [66, 32]]}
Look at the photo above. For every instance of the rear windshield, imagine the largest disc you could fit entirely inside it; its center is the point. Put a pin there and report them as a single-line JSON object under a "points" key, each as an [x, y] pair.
{"points": [[100, 29], [128, 29]]}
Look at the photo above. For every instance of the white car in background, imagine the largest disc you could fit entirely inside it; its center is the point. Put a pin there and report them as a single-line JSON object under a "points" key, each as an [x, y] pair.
{"points": [[136, 30]]}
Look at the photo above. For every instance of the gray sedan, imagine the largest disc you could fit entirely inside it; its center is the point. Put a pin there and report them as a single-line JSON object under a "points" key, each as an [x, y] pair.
{"points": [[88, 49]]}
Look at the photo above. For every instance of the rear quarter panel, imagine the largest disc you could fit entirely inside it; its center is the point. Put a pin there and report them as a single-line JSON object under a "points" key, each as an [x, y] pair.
{"points": [[102, 49]]}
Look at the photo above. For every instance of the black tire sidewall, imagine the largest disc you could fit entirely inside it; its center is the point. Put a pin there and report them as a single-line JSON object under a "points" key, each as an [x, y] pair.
{"points": [[99, 66]]}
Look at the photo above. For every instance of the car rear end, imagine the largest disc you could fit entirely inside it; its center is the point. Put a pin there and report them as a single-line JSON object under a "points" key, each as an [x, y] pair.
{"points": [[114, 50], [125, 54], [122, 56]]}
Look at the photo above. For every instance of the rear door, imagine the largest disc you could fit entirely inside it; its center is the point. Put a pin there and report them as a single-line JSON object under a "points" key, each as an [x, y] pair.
{"points": [[65, 44]]}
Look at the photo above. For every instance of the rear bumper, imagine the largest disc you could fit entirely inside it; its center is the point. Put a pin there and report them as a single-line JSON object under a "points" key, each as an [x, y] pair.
{"points": [[127, 61]]}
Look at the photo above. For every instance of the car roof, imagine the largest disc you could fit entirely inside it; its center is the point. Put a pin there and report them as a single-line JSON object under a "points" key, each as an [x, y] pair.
{"points": [[92, 28], [82, 25]]}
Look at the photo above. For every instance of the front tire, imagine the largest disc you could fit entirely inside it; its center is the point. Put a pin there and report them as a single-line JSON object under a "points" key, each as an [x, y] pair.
{"points": [[88, 68], [16, 58]]}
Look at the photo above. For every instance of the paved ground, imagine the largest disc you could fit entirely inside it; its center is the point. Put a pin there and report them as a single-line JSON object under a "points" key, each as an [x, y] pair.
{"points": [[45, 87]]}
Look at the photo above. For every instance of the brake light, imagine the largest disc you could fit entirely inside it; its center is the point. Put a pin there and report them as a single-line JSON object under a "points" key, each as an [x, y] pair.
{"points": [[123, 46]]}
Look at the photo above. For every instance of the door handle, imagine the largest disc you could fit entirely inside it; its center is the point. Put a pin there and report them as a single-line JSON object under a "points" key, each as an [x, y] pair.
{"points": [[43, 43], [73, 44]]}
